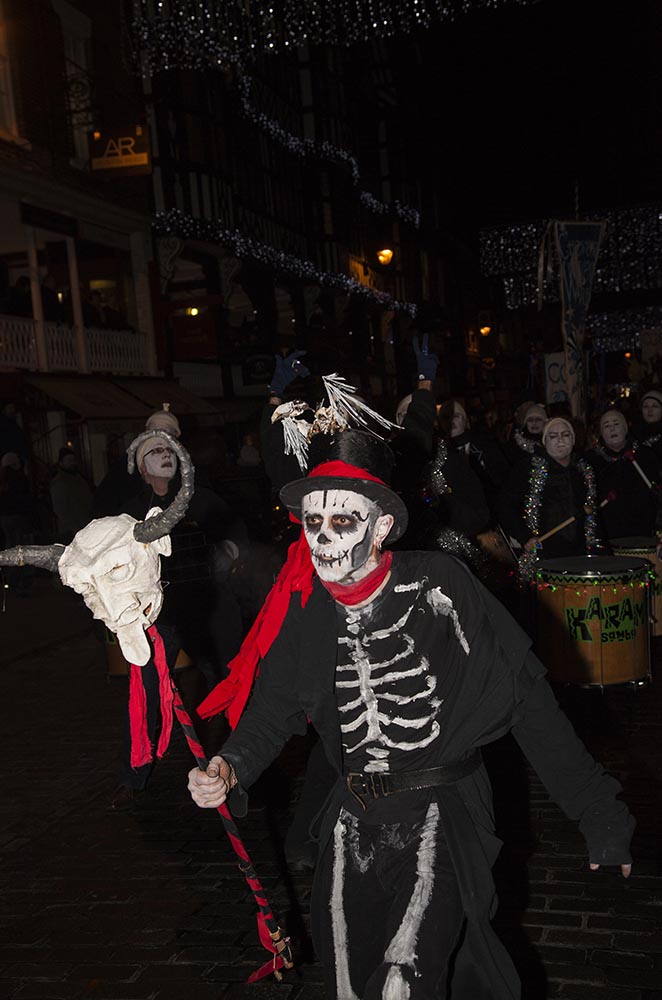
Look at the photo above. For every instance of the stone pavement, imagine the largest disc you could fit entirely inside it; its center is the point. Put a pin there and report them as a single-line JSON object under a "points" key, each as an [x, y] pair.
{"points": [[149, 906]]}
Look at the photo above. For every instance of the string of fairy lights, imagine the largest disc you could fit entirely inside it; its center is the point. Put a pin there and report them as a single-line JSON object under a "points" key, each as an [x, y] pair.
{"points": [[323, 149], [197, 34], [621, 330], [179, 224], [630, 257]]}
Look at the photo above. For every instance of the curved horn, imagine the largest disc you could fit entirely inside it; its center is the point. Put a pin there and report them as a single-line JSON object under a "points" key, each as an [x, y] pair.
{"points": [[163, 523], [43, 556]]}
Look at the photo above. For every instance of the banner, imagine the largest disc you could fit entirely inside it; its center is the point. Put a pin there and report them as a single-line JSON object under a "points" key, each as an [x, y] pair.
{"points": [[556, 378], [577, 246]]}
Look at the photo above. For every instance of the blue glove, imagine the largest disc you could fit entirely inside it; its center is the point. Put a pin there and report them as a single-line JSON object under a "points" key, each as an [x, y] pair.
{"points": [[286, 371], [426, 363]]}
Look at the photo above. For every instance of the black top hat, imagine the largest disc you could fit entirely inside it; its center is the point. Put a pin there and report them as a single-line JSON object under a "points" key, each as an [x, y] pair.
{"points": [[362, 450]]}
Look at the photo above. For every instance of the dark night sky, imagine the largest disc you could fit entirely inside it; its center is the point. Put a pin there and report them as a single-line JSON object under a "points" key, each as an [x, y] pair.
{"points": [[517, 103]]}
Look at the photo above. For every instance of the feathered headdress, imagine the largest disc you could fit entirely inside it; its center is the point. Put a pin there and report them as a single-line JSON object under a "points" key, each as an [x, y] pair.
{"points": [[345, 410]]}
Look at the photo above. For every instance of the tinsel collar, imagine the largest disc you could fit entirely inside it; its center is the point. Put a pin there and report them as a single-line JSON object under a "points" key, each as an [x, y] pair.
{"points": [[524, 442], [607, 455]]}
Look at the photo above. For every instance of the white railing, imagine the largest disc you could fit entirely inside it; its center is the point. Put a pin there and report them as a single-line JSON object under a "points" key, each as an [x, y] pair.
{"points": [[115, 351], [18, 344], [112, 351]]}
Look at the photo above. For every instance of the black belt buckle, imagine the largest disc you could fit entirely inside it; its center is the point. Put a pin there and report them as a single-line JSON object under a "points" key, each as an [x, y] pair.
{"points": [[374, 786]]}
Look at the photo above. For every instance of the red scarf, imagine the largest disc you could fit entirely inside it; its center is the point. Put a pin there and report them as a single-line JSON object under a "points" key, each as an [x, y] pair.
{"points": [[354, 593], [297, 576]]}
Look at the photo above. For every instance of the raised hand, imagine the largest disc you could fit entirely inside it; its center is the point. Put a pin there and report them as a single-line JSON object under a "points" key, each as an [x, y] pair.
{"points": [[286, 371], [426, 362]]}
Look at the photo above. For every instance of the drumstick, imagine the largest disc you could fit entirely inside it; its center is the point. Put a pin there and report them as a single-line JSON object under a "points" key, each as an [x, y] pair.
{"points": [[569, 520], [630, 455], [552, 531]]}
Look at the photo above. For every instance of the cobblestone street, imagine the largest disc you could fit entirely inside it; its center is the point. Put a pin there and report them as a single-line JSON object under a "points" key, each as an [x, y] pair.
{"points": [[148, 905]]}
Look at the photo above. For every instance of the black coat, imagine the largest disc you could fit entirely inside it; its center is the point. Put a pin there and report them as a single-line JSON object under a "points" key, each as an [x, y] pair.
{"points": [[564, 495], [497, 687], [632, 506]]}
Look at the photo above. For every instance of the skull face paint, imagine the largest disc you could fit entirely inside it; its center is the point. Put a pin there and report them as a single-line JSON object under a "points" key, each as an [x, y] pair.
{"points": [[118, 578], [161, 462], [341, 529]]}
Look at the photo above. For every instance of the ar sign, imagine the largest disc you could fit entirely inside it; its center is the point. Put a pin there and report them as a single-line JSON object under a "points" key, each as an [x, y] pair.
{"points": [[125, 152]]}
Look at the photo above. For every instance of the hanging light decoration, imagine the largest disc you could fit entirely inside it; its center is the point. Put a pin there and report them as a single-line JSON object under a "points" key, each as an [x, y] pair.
{"points": [[630, 257], [196, 34], [323, 149], [176, 223]]}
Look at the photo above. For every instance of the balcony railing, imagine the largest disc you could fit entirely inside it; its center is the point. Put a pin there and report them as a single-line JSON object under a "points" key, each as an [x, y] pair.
{"points": [[112, 351]]}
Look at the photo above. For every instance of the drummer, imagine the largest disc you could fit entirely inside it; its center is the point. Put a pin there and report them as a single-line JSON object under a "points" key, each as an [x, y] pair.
{"points": [[627, 480], [649, 430], [540, 496]]}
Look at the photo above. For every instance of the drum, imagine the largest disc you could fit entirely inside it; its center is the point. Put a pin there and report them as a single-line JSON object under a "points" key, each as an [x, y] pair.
{"points": [[645, 548], [592, 617]]}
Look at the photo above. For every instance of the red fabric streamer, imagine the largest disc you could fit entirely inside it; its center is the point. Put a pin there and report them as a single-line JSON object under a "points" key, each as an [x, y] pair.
{"points": [[232, 693], [344, 471], [267, 942], [296, 576], [165, 690], [141, 748]]}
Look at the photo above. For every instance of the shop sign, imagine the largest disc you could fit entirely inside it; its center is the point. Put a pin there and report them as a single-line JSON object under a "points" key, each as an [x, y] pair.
{"points": [[123, 152]]}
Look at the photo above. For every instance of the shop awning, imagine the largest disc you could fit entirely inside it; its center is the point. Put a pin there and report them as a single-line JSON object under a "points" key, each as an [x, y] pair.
{"points": [[154, 392], [91, 398]]}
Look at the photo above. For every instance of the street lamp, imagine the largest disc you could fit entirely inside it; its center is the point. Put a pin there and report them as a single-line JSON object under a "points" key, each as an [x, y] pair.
{"points": [[385, 256]]}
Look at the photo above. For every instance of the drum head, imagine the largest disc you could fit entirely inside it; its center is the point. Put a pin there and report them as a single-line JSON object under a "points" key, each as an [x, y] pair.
{"points": [[642, 542], [591, 567]]}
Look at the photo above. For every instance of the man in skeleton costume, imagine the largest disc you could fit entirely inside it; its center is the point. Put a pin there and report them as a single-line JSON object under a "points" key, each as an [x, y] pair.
{"points": [[406, 666]]}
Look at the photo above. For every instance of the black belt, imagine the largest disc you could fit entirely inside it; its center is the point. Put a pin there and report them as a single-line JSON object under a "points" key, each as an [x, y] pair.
{"points": [[378, 784]]}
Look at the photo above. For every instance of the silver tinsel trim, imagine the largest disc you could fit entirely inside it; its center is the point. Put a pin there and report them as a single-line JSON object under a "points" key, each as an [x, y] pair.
{"points": [[523, 442], [457, 544], [438, 480], [537, 479], [591, 521], [528, 561], [599, 450]]}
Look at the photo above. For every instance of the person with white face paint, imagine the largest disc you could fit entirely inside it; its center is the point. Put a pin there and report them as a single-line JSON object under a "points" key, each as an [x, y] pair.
{"points": [[632, 506], [406, 666], [484, 457], [526, 436], [648, 430], [191, 598], [543, 492]]}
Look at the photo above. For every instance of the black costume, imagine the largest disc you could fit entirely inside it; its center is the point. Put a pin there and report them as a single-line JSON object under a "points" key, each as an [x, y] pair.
{"points": [[486, 459], [542, 493], [632, 507], [521, 445], [426, 674]]}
